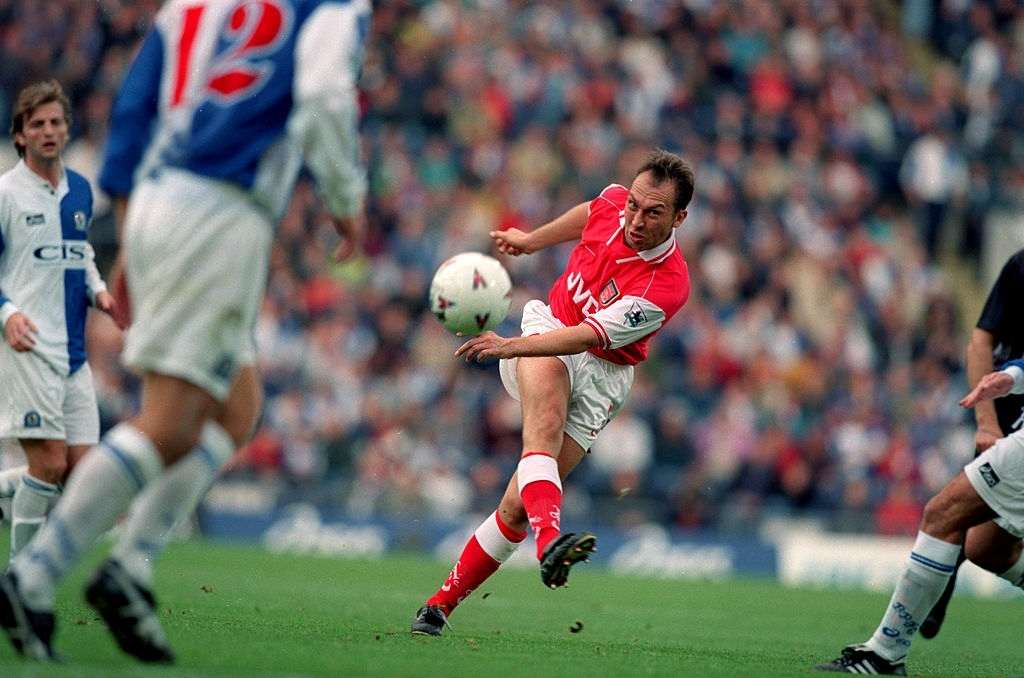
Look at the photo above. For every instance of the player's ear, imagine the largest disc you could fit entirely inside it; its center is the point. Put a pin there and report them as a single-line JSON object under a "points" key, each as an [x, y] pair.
{"points": [[680, 216]]}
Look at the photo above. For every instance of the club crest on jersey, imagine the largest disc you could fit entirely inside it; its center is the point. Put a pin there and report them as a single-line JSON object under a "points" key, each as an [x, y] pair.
{"points": [[609, 293], [80, 220], [35, 219], [33, 420], [635, 316]]}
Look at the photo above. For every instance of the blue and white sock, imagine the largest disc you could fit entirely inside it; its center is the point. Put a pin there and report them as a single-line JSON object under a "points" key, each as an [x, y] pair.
{"points": [[100, 489], [32, 502], [931, 563], [168, 501]]}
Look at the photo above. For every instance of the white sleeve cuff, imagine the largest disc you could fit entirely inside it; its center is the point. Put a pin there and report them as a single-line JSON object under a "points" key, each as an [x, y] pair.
{"points": [[94, 291], [6, 311], [1018, 379]]}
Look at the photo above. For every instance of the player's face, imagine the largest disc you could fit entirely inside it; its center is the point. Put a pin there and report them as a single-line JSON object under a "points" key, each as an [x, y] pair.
{"points": [[650, 215], [45, 133]]}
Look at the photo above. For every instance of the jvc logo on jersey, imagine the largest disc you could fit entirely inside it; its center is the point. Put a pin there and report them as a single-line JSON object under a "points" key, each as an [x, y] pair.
{"points": [[574, 283], [63, 253]]}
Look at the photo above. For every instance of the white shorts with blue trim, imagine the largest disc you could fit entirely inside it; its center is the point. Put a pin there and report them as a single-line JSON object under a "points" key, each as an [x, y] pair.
{"points": [[197, 257], [37, 402], [598, 388]]}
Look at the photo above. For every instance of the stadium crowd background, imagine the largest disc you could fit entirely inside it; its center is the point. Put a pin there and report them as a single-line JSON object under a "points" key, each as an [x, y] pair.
{"points": [[848, 155]]}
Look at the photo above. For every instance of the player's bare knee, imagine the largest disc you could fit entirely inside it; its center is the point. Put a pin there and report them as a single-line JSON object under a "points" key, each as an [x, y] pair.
{"points": [[941, 518], [48, 463], [544, 430]]}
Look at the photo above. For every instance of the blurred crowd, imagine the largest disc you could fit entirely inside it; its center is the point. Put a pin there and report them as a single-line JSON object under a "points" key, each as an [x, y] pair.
{"points": [[844, 150]]}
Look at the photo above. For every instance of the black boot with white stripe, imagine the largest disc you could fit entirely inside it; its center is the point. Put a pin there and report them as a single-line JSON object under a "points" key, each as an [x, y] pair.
{"points": [[30, 631], [129, 610], [860, 659]]}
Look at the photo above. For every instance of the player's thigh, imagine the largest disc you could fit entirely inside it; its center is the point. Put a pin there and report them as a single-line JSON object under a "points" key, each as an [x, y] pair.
{"points": [[600, 391], [997, 477], [196, 255], [544, 390], [81, 413], [31, 397]]}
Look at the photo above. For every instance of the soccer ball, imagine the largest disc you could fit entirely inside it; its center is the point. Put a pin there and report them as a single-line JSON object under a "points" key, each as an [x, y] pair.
{"points": [[470, 293]]}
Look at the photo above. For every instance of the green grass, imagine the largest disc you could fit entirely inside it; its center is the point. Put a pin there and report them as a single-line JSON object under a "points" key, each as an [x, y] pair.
{"points": [[239, 611]]}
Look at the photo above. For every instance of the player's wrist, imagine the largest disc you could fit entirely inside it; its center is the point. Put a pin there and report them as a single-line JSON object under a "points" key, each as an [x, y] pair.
{"points": [[1017, 374], [7, 310]]}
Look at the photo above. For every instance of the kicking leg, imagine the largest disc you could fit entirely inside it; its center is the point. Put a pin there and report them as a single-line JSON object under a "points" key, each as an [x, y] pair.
{"points": [[493, 542]]}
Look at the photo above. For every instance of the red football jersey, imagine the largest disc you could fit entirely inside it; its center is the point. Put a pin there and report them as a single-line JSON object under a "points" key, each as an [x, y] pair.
{"points": [[624, 295]]}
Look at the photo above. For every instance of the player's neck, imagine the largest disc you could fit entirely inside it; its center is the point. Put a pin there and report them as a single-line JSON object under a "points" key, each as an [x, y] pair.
{"points": [[48, 169]]}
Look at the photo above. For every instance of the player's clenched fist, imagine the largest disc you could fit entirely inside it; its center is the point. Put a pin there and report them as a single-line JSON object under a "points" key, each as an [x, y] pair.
{"points": [[20, 332]]}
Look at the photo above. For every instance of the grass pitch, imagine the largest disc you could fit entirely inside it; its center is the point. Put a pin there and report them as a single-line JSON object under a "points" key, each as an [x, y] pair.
{"points": [[239, 611]]}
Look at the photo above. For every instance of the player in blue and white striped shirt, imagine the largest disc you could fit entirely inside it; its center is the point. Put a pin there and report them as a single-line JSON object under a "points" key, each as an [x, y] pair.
{"points": [[47, 281], [223, 103]]}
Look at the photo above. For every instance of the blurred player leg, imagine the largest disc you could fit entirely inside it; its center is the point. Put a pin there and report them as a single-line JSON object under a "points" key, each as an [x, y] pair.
{"points": [[38, 490], [109, 477], [170, 500]]}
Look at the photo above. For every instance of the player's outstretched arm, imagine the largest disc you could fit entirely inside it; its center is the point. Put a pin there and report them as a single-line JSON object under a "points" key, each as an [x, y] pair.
{"points": [[564, 341], [567, 227], [992, 385]]}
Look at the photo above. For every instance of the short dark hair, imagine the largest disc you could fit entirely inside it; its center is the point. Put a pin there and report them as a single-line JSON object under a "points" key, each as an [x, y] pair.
{"points": [[32, 97], [665, 166]]}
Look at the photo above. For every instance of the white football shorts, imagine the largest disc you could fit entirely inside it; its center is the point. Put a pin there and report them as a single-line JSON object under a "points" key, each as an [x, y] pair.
{"points": [[37, 402], [196, 263], [598, 388], [997, 475]]}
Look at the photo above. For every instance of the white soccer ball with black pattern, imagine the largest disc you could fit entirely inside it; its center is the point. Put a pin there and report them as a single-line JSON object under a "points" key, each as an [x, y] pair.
{"points": [[470, 293]]}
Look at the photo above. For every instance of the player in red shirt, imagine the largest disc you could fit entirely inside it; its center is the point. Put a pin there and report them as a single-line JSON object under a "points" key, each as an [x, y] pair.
{"points": [[572, 368]]}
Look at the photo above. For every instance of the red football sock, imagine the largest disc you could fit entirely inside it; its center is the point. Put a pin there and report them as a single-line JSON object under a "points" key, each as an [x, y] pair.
{"points": [[542, 497], [490, 546]]}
